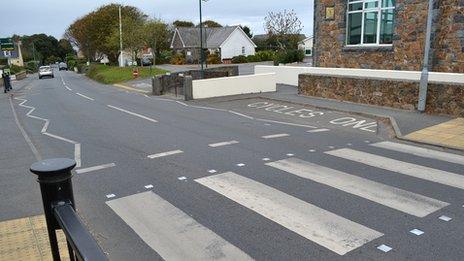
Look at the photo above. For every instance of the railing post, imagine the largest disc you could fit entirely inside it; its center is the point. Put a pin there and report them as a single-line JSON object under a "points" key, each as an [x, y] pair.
{"points": [[54, 177]]}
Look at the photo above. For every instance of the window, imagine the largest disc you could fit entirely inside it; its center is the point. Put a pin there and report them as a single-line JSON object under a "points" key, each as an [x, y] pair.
{"points": [[370, 22], [308, 52], [243, 50]]}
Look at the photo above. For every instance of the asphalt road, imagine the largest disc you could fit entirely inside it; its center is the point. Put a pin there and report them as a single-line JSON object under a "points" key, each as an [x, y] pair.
{"points": [[233, 179]]}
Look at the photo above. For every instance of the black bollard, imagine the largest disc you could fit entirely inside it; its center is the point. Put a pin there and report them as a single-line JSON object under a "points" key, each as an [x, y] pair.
{"points": [[54, 177]]}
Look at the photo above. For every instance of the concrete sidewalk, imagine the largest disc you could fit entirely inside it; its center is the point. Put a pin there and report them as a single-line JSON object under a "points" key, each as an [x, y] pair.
{"points": [[437, 130]]}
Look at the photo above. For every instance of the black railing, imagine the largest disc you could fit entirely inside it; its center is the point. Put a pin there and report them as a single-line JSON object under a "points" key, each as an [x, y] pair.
{"points": [[54, 177]]}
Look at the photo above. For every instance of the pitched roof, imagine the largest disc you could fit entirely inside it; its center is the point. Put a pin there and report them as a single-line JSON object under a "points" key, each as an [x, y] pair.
{"points": [[214, 36]]}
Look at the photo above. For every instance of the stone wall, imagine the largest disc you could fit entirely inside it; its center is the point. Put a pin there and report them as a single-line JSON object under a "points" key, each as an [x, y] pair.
{"points": [[441, 98], [406, 52]]}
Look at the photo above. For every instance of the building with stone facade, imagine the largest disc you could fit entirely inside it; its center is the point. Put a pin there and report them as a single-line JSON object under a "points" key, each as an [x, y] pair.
{"points": [[388, 34]]}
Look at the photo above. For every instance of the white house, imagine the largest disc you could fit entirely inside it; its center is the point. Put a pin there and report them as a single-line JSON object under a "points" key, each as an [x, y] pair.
{"points": [[228, 41], [307, 46]]}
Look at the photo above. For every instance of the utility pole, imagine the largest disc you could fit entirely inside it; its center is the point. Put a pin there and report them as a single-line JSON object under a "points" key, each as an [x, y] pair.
{"points": [[425, 67], [202, 53], [121, 60]]}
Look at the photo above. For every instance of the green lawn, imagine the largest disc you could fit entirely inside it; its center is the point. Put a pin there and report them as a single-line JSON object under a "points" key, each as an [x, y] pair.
{"points": [[114, 74]]}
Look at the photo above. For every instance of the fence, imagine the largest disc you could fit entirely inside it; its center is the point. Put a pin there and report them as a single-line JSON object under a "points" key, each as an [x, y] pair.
{"points": [[54, 177]]}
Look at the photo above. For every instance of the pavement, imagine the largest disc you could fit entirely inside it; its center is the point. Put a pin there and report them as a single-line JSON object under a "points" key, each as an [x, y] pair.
{"points": [[251, 176]]}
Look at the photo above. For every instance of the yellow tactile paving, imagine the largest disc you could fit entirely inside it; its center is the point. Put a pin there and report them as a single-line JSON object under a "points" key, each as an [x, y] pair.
{"points": [[27, 239], [448, 134]]}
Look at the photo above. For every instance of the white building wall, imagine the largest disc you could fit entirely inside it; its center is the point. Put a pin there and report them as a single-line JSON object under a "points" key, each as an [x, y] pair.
{"points": [[233, 46], [225, 86]]}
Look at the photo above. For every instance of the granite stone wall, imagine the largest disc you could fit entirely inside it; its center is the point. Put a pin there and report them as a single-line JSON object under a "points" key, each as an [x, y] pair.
{"points": [[441, 98], [406, 52]]}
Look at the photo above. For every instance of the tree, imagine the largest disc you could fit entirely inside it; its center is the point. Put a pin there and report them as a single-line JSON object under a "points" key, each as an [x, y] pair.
{"points": [[65, 48], [247, 30], [284, 28], [211, 23], [95, 33], [158, 34], [181, 23]]}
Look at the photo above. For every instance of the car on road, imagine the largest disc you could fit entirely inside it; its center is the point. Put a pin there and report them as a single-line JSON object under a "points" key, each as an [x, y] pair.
{"points": [[62, 66], [46, 71]]}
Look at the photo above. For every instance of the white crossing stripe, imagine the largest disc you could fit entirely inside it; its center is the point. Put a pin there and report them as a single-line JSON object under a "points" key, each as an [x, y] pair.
{"points": [[173, 234], [164, 154], [410, 169], [95, 168], [275, 136], [402, 200], [327, 229], [132, 113], [422, 152], [225, 143], [86, 97], [318, 130]]}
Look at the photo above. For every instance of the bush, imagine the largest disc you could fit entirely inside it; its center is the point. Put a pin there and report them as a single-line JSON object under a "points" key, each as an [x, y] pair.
{"points": [[164, 57], [239, 59], [263, 56], [14, 69], [213, 58], [178, 59], [290, 56], [32, 66], [72, 64]]}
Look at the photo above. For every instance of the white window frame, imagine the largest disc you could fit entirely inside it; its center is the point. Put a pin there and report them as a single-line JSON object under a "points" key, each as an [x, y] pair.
{"points": [[379, 10]]}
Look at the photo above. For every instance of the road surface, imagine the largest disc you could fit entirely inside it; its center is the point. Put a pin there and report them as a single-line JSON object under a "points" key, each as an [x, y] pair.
{"points": [[238, 179]]}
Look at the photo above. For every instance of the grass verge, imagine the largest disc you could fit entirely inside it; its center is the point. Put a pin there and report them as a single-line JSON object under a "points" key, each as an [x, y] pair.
{"points": [[112, 74]]}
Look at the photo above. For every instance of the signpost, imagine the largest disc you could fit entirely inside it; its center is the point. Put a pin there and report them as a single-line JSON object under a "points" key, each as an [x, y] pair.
{"points": [[6, 44]]}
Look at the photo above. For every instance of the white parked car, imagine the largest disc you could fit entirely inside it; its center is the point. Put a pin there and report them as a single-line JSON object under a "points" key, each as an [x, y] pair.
{"points": [[46, 71]]}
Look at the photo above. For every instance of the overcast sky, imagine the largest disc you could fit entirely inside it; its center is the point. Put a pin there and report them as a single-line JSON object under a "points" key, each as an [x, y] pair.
{"points": [[54, 16]]}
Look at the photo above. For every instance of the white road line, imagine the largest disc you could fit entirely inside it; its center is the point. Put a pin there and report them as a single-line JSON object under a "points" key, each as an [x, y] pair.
{"points": [[132, 113], [273, 136], [327, 229], [241, 114], [224, 143], [24, 133], [67, 88], [164, 154], [60, 138], [169, 231], [422, 152], [77, 155], [182, 103], [77, 146], [95, 168], [318, 130], [402, 200], [410, 169], [86, 97], [288, 123]]}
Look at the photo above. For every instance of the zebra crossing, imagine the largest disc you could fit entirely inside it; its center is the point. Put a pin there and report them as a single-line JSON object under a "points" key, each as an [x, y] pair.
{"points": [[172, 233]]}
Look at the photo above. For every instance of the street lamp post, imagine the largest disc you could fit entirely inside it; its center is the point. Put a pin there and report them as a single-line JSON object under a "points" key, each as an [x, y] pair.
{"points": [[202, 54]]}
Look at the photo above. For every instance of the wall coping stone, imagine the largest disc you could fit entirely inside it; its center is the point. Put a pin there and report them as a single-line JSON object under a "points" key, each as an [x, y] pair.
{"points": [[412, 76]]}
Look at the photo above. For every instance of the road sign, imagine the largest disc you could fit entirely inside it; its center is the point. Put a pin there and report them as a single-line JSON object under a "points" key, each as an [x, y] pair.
{"points": [[6, 44]]}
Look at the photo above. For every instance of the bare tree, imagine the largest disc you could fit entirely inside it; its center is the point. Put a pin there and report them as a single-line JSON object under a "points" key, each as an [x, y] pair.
{"points": [[284, 28]]}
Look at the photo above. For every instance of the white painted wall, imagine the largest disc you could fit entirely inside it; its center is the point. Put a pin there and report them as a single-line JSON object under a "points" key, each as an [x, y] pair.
{"points": [[289, 74], [233, 46], [225, 86]]}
